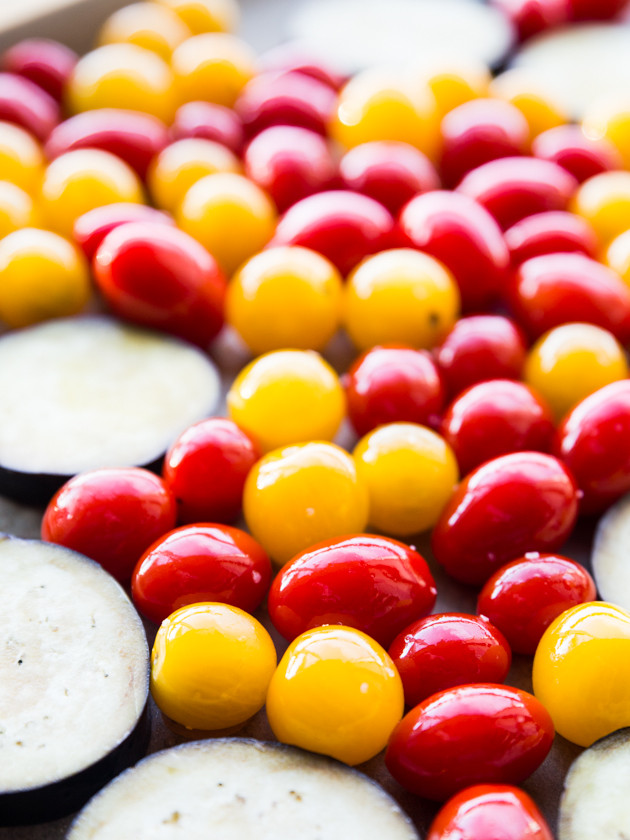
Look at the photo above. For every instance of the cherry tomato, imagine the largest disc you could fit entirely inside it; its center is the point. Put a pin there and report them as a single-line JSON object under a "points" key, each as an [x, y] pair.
{"points": [[608, 121], [558, 288], [302, 495], [389, 172], [579, 154], [572, 361], [490, 812], [529, 17], [211, 665], [372, 583], [21, 158], [295, 57], [515, 187], [24, 103], [160, 277], [210, 122], [604, 201], [524, 501], [152, 26], [478, 348], [446, 650], [464, 237], [479, 131], [594, 442], [524, 597], [456, 81], [541, 112], [400, 295], [410, 473], [393, 383], [550, 233], [343, 226], [200, 563], [17, 209], [469, 735], [290, 163], [206, 468], [92, 227], [336, 692], [285, 99], [206, 15], [212, 66], [110, 515], [47, 63], [493, 418]]}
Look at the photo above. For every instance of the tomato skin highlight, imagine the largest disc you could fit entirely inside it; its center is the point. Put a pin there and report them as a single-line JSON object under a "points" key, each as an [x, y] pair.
{"points": [[211, 122], [92, 227], [49, 64], [375, 584], [550, 233], [568, 146]]}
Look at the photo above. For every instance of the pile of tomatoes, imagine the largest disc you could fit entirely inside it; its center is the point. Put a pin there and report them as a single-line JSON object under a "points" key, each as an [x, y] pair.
{"points": [[473, 247]]}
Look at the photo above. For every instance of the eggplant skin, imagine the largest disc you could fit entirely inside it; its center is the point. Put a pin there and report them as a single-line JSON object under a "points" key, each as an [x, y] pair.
{"points": [[63, 797]]}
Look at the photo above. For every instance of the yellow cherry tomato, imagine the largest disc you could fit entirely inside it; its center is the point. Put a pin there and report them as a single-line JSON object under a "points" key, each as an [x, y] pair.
{"points": [[337, 692], [582, 672], [122, 76], [287, 396], [81, 180], [534, 104], [231, 216], [572, 361], [300, 495], [455, 84], [410, 473], [617, 256], [400, 296], [210, 666], [285, 297], [377, 106], [180, 165], [42, 276], [17, 209], [148, 25], [610, 120], [21, 158], [206, 15], [212, 67], [604, 201]]}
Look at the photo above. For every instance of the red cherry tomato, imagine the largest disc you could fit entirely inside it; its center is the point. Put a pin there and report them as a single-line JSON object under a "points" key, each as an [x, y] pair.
{"points": [[524, 597], [285, 99], [391, 384], [448, 649], [92, 227], [130, 135], [557, 289], [490, 812], [206, 468], [200, 563], [161, 277], [110, 515], [493, 418], [550, 233], [479, 131], [580, 155], [24, 103], [524, 501], [462, 235], [389, 172], [469, 735], [48, 64], [595, 9], [514, 187], [343, 226], [375, 584], [210, 122], [479, 348], [290, 163], [294, 57], [593, 440]]}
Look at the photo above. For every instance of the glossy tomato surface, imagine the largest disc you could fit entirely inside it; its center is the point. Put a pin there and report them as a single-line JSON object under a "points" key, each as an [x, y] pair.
{"points": [[550, 233], [24, 103], [161, 277], [524, 597], [210, 122], [47, 63], [469, 735], [490, 812], [92, 227], [393, 383], [448, 649], [110, 515], [206, 468], [582, 156], [493, 418], [373, 583], [556, 289], [457, 231], [196, 563], [296, 57], [524, 501]]}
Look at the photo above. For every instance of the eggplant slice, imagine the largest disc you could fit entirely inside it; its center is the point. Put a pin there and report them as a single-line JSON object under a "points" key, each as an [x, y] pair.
{"points": [[610, 558]]}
